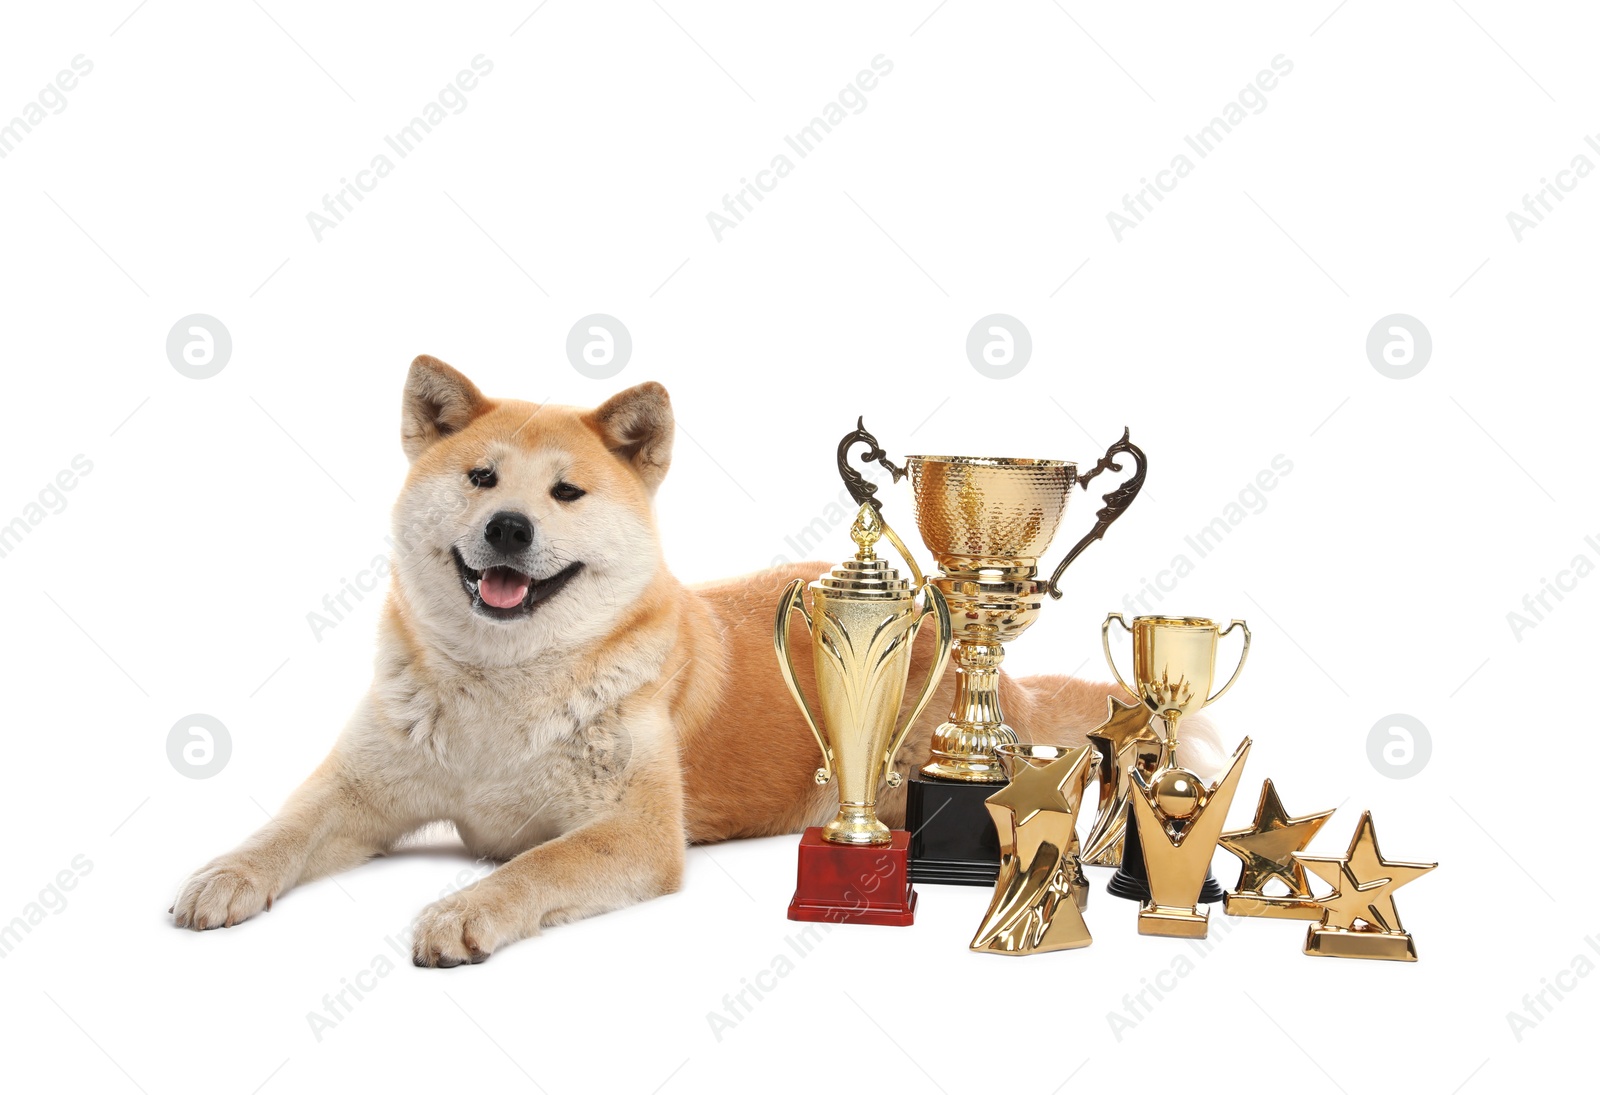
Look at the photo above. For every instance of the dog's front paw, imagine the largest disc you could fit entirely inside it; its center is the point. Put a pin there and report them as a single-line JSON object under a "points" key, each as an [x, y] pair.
{"points": [[461, 928], [221, 894]]}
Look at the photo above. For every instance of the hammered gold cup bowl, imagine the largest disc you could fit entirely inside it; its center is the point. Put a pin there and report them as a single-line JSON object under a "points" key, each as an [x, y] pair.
{"points": [[988, 520], [989, 513]]}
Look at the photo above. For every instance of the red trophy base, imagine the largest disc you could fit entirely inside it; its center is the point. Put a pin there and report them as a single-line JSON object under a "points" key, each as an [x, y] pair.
{"points": [[854, 883]]}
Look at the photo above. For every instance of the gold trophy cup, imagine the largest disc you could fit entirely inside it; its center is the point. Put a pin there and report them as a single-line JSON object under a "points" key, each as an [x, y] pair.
{"points": [[988, 521], [1174, 665], [863, 622]]}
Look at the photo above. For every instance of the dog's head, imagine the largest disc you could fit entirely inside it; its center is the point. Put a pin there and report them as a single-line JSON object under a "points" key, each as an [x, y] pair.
{"points": [[520, 523]]}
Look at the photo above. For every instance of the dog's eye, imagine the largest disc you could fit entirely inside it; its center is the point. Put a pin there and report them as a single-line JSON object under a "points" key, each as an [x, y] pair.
{"points": [[482, 477], [566, 492]]}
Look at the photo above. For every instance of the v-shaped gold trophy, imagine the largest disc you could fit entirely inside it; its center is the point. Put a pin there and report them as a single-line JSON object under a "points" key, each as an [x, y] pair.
{"points": [[1179, 819], [1174, 663]]}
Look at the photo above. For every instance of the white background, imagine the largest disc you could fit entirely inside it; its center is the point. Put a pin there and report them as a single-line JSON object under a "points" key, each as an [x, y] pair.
{"points": [[1226, 329]]}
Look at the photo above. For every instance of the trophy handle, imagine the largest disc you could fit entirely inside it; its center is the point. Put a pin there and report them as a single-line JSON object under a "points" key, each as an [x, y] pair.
{"points": [[1105, 643], [863, 490], [857, 484], [933, 604], [792, 601], [1243, 654], [1116, 502]]}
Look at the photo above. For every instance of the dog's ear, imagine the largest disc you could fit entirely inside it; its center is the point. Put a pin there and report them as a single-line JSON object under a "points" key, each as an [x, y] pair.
{"points": [[438, 401], [637, 426]]}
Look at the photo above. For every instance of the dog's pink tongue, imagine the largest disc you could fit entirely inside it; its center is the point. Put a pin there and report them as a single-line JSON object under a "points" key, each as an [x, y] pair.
{"points": [[502, 587]]}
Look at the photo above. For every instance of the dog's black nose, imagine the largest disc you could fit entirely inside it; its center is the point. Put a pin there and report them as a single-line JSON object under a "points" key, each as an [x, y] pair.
{"points": [[508, 532]]}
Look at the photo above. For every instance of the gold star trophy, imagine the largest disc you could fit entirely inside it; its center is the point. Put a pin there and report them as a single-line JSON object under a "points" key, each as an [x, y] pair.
{"points": [[1363, 893], [1178, 819], [1124, 740], [1039, 897], [1266, 852]]}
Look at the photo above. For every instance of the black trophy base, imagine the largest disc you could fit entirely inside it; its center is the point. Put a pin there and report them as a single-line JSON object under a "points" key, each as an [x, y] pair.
{"points": [[1132, 880], [953, 838]]}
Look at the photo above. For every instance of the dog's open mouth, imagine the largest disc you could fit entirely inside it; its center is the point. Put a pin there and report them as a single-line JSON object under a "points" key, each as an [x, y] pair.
{"points": [[503, 592]]}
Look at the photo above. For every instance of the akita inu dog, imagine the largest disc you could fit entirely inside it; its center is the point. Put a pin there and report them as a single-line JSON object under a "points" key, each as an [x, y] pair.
{"points": [[546, 685]]}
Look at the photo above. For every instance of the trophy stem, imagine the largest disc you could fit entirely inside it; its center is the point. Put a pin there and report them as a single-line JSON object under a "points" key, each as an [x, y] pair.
{"points": [[1169, 723], [856, 823], [963, 748]]}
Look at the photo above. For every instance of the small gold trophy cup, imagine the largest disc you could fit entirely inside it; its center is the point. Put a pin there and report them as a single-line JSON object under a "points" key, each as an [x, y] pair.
{"points": [[1174, 665], [863, 621], [987, 521]]}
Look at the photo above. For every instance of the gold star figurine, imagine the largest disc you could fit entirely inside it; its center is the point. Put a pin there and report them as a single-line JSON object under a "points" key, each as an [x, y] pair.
{"points": [[1125, 738], [1035, 907], [1266, 852], [1363, 894]]}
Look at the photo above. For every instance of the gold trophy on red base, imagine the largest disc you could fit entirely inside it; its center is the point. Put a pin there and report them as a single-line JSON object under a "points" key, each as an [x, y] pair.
{"points": [[863, 622]]}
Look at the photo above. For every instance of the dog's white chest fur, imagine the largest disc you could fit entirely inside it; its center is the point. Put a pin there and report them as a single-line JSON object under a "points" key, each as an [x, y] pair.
{"points": [[515, 756]]}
